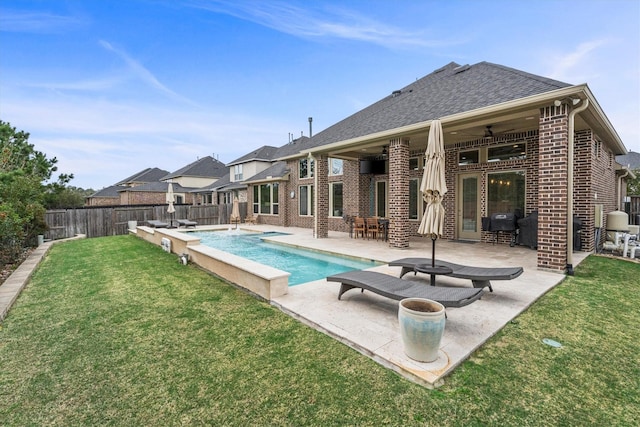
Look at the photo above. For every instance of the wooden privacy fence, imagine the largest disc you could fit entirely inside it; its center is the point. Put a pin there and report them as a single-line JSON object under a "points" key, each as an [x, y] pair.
{"points": [[633, 209], [102, 221]]}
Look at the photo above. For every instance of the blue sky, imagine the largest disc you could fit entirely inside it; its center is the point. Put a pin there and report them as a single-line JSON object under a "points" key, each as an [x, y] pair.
{"points": [[112, 87]]}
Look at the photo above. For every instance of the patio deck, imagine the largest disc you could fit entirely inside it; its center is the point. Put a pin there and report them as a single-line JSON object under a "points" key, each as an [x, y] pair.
{"points": [[368, 322]]}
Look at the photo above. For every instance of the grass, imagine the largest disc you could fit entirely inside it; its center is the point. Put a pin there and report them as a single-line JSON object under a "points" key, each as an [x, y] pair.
{"points": [[113, 331]]}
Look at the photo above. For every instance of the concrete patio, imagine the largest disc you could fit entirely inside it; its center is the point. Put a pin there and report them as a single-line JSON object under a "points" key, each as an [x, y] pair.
{"points": [[368, 322]]}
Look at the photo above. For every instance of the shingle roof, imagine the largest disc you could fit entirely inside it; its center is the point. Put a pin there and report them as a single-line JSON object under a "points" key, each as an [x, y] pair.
{"points": [[632, 159], [292, 147], [158, 187], [264, 153], [449, 90], [145, 175], [111, 191], [225, 180], [204, 167], [277, 170]]}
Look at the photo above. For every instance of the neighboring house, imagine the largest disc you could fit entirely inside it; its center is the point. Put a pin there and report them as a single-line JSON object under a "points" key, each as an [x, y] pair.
{"points": [[510, 139], [201, 173], [143, 177], [631, 160], [155, 193], [110, 196]]}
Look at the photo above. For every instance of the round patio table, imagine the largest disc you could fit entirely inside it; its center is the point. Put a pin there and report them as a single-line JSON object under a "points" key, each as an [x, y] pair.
{"points": [[438, 270]]}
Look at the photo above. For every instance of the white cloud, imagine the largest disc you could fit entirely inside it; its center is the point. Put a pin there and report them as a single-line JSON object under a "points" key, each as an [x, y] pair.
{"points": [[143, 73], [337, 23], [16, 21], [577, 65]]}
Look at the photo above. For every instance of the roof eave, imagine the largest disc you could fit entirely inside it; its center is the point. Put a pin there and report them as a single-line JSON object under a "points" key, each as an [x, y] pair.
{"points": [[540, 100]]}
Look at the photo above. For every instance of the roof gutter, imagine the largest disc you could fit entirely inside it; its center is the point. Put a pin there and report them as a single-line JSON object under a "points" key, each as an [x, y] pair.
{"points": [[570, 155]]}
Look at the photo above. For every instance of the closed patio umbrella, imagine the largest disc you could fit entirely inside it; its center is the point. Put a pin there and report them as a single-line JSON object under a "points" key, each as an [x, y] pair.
{"points": [[235, 212], [433, 187], [170, 209]]}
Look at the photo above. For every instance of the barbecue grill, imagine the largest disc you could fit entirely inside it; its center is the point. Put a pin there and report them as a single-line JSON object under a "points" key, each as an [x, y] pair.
{"points": [[505, 222]]}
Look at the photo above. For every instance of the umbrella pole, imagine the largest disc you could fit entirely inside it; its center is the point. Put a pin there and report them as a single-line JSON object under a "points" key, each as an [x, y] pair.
{"points": [[433, 252]]}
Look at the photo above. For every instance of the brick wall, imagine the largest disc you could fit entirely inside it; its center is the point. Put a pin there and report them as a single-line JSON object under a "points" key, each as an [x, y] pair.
{"points": [[322, 197], [398, 196], [552, 188]]}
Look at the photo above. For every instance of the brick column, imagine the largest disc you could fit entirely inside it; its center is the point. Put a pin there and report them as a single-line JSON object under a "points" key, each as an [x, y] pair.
{"points": [[321, 216], [399, 229], [552, 188]]}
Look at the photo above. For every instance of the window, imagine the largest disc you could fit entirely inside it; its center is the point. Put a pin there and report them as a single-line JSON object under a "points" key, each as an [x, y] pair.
{"points": [[381, 199], [414, 163], [515, 151], [237, 172], [335, 166], [265, 199], [179, 200], [306, 200], [335, 199], [505, 192], [414, 198], [468, 157], [207, 198], [306, 168]]}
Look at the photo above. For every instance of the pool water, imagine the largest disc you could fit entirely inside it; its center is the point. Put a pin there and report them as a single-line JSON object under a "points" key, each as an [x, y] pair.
{"points": [[303, 265]]}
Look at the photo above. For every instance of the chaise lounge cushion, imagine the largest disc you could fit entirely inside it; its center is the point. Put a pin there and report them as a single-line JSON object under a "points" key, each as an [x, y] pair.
{"points": [[398, 289], [479, 276], [186, 223], [157, 224]]}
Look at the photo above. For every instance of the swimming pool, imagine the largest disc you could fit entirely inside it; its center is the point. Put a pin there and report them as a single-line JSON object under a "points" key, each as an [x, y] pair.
{"points": [[303, 265]]}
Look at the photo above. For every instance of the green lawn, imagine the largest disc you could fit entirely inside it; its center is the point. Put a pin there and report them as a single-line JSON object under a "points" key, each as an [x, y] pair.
{"points": [[114, 331]]}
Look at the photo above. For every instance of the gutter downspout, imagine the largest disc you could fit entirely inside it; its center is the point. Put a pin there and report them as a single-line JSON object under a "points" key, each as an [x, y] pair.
{"points": [[626, 173], [572, 115], [310, 159]]}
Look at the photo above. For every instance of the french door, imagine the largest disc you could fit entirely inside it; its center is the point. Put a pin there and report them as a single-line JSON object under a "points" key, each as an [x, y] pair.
{"points": [[468, 207]]}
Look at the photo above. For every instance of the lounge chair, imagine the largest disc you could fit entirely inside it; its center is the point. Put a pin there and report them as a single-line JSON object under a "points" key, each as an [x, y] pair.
{"points": [[157, 224], [479, 276], [398, 289], [186, 223]]}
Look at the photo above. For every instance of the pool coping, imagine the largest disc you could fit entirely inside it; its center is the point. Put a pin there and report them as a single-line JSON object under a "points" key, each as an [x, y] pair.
{"points": [[261, 280]]}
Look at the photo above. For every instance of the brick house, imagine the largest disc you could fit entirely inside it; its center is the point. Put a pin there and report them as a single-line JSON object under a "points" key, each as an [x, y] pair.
{"points": [[110, 196], [514, 142]]}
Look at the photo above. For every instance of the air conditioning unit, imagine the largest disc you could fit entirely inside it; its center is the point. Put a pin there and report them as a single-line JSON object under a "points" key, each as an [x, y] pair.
{"points": [[166, 244]]}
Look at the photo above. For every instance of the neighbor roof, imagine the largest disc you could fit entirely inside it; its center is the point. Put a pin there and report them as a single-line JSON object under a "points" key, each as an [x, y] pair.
{"points": [[158, 187], [111, 191], [264, 154], [145, 175], [449, 90], [277, 170], [204, 167], [632, 159]]}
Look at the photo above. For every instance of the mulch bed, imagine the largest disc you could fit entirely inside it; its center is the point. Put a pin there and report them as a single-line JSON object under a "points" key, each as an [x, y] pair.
{"points": [[7, 269]]}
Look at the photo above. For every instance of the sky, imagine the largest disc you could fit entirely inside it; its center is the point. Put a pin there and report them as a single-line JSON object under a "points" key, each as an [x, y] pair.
{"points": [[110, 88]]}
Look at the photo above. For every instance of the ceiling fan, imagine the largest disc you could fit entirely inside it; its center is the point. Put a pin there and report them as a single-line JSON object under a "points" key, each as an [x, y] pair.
{"points": [[490, 133]]}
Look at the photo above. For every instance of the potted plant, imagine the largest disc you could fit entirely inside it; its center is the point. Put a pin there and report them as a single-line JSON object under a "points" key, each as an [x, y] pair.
{"points": [[421, 327]]}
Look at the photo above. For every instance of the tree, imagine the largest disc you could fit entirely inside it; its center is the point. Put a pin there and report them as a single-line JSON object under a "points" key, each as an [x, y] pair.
{"points": [[23, 173], [633, 185]]}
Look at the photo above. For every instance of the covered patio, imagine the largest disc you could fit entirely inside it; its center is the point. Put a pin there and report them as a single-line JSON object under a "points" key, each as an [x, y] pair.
{"points": [[368, 322]]}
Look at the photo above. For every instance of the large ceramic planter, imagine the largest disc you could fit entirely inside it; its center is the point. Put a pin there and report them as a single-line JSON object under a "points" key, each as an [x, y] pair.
{"points": [[421, 326]]}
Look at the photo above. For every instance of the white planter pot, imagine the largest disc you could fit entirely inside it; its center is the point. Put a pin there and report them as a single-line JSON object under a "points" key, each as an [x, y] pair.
{"points": [[421, 327]]}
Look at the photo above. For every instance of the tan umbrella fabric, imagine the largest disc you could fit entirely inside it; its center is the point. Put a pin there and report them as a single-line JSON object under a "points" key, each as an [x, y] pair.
{"points": [[433, 186], [171, 209], [235, 211]]}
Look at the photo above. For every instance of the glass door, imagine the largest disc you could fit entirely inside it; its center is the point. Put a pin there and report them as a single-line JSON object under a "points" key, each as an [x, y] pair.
{"points": [[468, 218]]}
